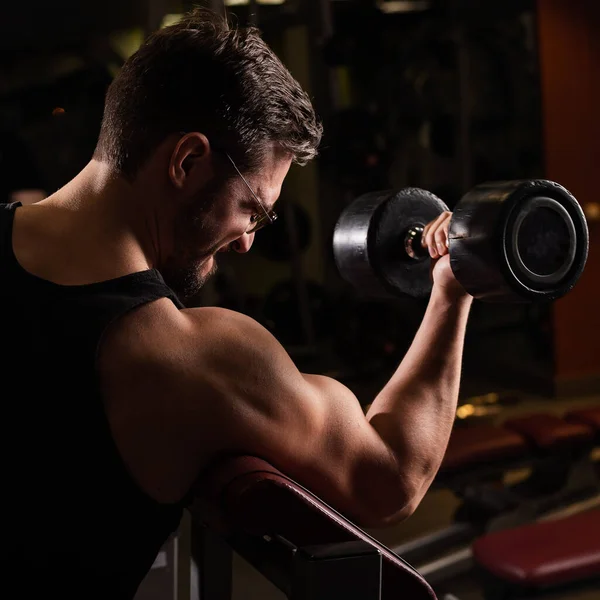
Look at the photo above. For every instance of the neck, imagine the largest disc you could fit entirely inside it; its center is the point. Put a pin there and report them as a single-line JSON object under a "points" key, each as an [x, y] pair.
{"points": [[113, 213]]}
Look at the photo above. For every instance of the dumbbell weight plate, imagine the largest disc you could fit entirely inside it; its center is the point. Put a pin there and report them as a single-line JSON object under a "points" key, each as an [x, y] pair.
{"points": [[368, 242], [518, 241]]}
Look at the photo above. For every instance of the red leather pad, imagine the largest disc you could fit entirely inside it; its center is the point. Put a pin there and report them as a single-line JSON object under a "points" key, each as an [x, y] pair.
{"points": [[249, 495], [587, 416], [550, 432], [481, 444], [543, 554]]}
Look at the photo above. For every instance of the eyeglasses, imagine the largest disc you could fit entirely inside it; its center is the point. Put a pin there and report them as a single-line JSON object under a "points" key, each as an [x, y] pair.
{"points": [[257, 221]]}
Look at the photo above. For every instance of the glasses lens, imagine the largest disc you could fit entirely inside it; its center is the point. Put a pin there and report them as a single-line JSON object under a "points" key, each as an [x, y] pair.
{"points": [[260, 221]]}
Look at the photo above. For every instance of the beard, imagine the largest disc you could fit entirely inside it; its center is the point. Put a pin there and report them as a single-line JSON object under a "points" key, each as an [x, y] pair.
{"points": [[195, 243], [187, 281]]}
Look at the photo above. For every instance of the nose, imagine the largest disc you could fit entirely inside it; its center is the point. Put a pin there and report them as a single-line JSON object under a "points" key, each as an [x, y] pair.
{"points": [[243, 243]]}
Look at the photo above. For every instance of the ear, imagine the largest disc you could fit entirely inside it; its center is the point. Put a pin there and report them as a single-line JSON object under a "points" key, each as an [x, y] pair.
{"points": [[190, 163]]}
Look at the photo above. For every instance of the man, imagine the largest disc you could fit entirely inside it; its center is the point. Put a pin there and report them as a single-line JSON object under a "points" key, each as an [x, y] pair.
{"points": [[125, 396]]}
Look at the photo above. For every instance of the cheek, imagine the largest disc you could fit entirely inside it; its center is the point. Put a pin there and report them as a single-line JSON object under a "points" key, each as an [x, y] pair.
{"points": [[225, 229], [221, 220], [234, 224]]}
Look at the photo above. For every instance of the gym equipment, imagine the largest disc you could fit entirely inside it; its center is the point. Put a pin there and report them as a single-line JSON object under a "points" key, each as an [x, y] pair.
{"points": [[562, 475], [305, 548], [512, 241], [549, 556]]}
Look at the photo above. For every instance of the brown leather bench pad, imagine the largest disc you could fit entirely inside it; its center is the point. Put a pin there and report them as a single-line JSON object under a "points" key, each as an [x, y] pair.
{"points": [[549, 432], [481, 444], [543, 554], [246, 494]]}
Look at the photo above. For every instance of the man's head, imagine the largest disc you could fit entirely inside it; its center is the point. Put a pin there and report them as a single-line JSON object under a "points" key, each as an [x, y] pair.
{"points": [[197, 100]]}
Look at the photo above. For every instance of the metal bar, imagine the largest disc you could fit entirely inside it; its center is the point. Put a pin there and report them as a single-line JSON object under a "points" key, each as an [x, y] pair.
{"points": [[183, 559], [442, 569], [435, 542], [272, 557], [213, 557], [573, 509]]}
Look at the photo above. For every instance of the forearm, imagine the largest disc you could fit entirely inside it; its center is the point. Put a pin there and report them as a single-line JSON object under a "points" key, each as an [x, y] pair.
{"points": [[415, 411]]}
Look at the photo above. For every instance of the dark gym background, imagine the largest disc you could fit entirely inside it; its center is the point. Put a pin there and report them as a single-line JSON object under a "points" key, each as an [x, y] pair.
{"points": [[436, 94]]}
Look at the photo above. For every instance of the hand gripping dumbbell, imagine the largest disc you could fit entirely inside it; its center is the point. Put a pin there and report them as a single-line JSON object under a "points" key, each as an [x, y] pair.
{"points": [[512, 241]]}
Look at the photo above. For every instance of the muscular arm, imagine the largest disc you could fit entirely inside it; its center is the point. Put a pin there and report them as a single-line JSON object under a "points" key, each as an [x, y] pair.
{"points": [[415, 411], [185, 387], [376, 468], [309, 426]]}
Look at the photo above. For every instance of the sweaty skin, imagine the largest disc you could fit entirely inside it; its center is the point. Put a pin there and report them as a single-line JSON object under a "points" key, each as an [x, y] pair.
{"points": [[184, 387]]}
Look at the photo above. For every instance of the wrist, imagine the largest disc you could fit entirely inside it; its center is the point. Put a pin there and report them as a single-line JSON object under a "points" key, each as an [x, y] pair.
{"points": [[451, 298]]}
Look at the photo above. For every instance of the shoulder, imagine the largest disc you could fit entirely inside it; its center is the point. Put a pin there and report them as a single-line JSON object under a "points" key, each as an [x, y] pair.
{"points": [[203, 359], [160, 337], [166, 393]]}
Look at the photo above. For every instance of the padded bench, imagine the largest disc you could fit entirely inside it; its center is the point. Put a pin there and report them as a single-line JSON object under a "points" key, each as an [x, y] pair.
{"points": [[470, 447], [271, 520], [550, 433], [478, 457], [488, 445], [540, 556]]}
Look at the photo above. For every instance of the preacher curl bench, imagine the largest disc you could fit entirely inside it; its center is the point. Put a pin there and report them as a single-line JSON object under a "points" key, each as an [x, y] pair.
{"points": [[304, 547], [311, 552]]}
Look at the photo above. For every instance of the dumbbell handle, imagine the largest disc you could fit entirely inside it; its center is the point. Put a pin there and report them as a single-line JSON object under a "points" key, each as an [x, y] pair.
{"points": [[412, 243]]}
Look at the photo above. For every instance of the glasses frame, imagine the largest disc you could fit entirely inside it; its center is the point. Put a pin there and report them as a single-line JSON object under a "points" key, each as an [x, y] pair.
{"points": [[256, 221]]}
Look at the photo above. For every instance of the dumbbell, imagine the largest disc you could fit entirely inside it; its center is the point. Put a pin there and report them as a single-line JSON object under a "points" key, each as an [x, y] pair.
{"points": [[510, 241]]}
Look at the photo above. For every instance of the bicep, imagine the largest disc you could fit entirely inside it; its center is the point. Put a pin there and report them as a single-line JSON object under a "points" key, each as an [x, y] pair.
{"points": [[349, 465], [310, 427]]}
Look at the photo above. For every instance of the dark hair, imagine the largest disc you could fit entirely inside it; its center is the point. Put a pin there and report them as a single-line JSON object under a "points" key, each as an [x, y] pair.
{"points": [[202, 74]]}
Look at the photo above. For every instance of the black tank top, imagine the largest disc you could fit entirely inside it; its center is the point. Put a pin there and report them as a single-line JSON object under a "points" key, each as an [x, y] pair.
{"points": [[73, 523]]}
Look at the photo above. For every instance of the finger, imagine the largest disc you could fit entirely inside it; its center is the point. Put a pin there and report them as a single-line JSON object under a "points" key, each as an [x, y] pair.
{"points": [[440, 223], [427, 229], [424, 234], [441, 234], [446, 226], [430, 242], [440, 241]]}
